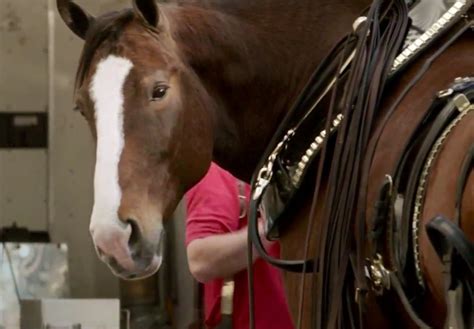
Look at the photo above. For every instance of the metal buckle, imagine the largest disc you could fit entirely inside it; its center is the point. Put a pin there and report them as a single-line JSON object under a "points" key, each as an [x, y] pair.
{"points": [[265, 174], [461, 102], [379, 275], [360, 295]]}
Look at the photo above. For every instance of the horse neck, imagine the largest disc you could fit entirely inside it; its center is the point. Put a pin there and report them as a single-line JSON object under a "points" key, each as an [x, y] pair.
{"points": [[254, 60]]}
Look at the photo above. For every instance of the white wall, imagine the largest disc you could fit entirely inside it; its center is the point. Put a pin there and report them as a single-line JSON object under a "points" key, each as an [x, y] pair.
{"points": [[53, 189], [23, 88]]}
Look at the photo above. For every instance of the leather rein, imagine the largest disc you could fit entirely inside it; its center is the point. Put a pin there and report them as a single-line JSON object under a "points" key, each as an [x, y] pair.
{"points": [[339, 68]]}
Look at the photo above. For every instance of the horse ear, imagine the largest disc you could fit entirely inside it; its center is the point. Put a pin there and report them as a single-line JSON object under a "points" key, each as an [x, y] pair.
{"points": [[148, 11], [75, 17]]}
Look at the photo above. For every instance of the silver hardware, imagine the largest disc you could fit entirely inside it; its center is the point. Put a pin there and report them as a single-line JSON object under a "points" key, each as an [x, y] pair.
{"points": [[357, 295], [313, 149], [445, 93], [262, 183], [461, 102], [266, 172], [379, 275], [390, 182], [128, 316], [358, 22], [459, 8], [227, 294], [455, 306]]}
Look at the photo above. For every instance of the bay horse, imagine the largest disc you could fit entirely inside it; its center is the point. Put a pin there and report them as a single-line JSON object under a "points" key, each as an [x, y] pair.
{"points": [[167, 88]]}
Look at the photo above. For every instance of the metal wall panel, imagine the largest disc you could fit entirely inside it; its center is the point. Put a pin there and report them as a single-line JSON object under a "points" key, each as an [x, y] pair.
{"points": [[51, 188], [23, 198], [23, 88], [23, 56]]}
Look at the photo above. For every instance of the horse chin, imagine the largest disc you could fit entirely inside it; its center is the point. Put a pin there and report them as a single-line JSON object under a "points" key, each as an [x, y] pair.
{"points": [[139, 273], [144, 268], [151, 269]]}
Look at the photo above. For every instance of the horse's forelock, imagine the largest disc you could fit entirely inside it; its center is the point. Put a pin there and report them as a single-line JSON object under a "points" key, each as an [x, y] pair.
{"points": [[105, 31]]}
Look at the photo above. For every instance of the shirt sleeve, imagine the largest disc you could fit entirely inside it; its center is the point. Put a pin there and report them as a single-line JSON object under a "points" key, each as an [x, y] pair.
{"points": [[212, 206]]}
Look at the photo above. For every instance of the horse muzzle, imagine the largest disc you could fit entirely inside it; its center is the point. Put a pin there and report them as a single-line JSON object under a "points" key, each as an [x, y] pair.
{"points": [[126, 251]]}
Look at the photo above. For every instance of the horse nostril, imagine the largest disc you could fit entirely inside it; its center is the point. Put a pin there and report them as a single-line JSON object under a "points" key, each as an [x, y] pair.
{"points": [[135, 237]]}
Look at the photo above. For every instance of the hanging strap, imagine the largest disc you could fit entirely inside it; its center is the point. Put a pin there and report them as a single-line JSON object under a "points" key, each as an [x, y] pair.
{"points": [[243, 204], [228, 286], [227, 305]]}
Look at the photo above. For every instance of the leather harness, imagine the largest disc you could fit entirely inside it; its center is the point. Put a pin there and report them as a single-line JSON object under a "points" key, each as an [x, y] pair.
{"points": [[277, 183]]}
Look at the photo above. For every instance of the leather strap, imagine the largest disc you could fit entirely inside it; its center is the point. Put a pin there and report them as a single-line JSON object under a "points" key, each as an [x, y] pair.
{"points": [[243, 204], [276, 136], [444, 234], [437, 127], [467, 167], [458, 30], [395, 283], [324, 72], [379, 222], [369, 73], [297, 266], [228, 286], [457, 254]]}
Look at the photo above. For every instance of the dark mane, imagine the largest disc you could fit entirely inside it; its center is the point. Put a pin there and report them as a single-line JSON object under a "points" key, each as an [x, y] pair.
{"points": [[108, 28]]}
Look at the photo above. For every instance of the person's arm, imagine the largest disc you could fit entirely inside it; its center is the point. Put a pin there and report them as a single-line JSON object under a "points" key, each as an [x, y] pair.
{"points": [[219, 256]]}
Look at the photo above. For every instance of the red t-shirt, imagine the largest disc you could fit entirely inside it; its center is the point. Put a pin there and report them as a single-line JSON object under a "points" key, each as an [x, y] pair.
{"points": [[213, 208]]}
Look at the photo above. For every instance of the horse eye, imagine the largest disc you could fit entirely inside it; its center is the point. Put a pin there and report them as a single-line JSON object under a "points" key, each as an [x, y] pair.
{"points": [[159, 92]]}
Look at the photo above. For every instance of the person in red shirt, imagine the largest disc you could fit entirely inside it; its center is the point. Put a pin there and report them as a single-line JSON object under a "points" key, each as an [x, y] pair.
{"points": [[216, 240]]}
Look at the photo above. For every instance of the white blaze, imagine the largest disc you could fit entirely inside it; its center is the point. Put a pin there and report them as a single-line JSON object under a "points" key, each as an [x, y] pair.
{"points": [[106, 92]]}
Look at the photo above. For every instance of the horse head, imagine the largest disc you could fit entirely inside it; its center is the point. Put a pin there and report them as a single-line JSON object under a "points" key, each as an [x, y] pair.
{"points": [[149, 115]]}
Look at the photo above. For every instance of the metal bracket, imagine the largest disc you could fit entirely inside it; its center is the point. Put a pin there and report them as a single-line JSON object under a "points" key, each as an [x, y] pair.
{"points": [[379, 275], [454, 318], [265, 174], [461, 102], [227, 295]]}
